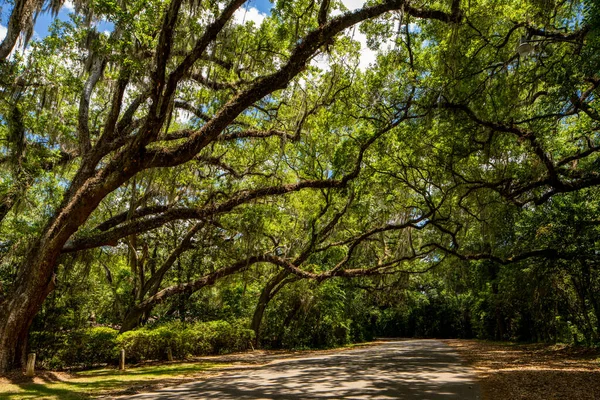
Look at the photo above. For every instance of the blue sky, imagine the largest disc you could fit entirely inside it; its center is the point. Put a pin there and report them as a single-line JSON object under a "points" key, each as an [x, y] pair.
{"points": [[253, 10], [263, 6], [44, 20]]}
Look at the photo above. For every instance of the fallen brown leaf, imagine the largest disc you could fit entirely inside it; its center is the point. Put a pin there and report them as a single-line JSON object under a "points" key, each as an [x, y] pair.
{"points": [[532, 371]]}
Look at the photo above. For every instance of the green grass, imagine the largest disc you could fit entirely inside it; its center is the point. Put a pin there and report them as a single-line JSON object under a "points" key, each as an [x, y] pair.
{"points": [[94, 383]]}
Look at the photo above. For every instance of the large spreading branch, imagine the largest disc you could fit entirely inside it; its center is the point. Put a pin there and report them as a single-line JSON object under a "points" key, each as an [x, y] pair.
{"points": [[548, 253], [521, 133], [136, 157], [558, 179], [140, 225], [134, 314], [296, 63], [153, 283]]}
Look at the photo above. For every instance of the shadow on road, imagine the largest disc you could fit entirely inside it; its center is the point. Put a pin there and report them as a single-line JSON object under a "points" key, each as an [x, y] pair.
{"points": [[416, 369]]}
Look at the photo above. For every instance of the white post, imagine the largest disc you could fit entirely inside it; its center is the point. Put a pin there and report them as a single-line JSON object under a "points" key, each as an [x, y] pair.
{"points": [[30, 371], [122, 361], [169, 354]]}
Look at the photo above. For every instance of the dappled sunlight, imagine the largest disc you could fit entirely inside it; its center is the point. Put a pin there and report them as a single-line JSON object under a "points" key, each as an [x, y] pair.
{"points": [[416, 369], [82, 385], [533, 371], [149, 371]]}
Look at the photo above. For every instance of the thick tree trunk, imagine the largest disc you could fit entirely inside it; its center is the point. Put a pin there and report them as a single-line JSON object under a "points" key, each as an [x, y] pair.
{"points": [[6, 204], [259, 311], [268, 293], [133, 317], [263, 302], [35, 282], [36, 276]]}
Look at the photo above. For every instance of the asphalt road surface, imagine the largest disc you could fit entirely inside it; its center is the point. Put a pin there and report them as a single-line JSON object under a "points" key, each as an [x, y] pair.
{"points": [[411, 369]]}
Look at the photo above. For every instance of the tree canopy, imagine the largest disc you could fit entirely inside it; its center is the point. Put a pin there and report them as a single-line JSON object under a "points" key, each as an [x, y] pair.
{"points": [[452, 175]]}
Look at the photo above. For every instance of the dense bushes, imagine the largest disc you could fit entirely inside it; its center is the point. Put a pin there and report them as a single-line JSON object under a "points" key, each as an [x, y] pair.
{"points": [[93, 346], [78, 348], [213, 337]]}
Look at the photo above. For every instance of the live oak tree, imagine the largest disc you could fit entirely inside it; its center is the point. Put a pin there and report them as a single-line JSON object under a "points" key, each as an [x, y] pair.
{"points": [[125, 87], [240, 141]]}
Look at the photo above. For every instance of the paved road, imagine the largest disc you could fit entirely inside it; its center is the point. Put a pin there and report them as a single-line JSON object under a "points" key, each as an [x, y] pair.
{"points": [[411, 369]]}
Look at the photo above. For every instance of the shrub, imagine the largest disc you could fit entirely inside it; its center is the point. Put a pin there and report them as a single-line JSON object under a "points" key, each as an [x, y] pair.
{"points": [[76, 348], [202, 338], [93, 346]]}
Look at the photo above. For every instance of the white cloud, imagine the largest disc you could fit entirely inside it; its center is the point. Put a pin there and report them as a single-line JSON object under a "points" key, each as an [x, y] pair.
{"points": [[2, 32], [367, 56], [321, 61], [353, 4], [243, 15], [69, 5]]}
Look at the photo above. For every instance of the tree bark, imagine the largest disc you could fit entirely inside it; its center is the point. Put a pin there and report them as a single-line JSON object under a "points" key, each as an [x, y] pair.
{"points": [[20, 19], [36, 276], [134, 314], [19, 308], [273, 286]]}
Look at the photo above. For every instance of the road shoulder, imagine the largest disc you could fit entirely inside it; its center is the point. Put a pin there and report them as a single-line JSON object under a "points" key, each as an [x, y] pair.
{"points": [[532, 371]]}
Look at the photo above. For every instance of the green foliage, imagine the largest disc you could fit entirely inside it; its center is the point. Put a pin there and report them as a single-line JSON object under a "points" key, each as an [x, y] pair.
{"points": [[306, 315], [201, 338], [76, 348], [96, 346]]}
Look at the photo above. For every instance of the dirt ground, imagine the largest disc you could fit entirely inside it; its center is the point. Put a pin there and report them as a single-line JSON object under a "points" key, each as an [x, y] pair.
{"points": [[532, 371]]}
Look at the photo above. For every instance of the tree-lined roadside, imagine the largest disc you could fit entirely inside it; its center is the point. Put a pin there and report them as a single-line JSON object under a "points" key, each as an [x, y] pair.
{"points": [[503, 370]]}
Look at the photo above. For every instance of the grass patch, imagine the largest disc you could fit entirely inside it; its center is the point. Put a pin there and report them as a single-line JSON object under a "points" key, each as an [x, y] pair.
{"points": [[101, 382]]}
